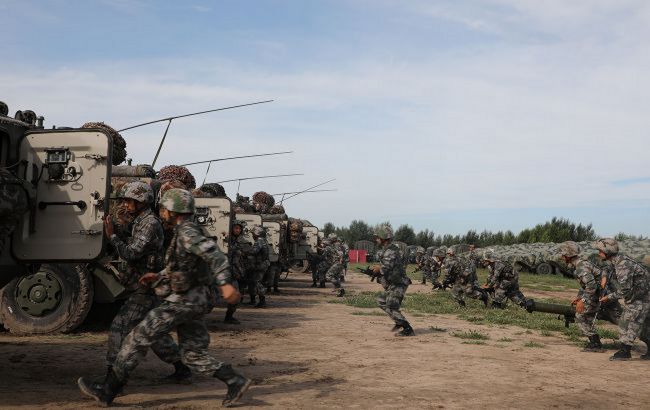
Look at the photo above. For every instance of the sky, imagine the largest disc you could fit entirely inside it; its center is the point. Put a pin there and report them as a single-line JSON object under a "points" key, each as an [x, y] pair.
{"points": [[445, 115]]}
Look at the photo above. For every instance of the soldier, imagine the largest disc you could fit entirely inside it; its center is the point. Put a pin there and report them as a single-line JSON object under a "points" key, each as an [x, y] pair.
{"points": [[194, 265], [259, 254], [633, 287], [334, 254], [237, 268], [315, 258], [587, 302], [459, 272], [325, 261], [392, 268], [423, 265], [141, 252], [504, 281], [13, 204], [436, 262], [345, 249]]}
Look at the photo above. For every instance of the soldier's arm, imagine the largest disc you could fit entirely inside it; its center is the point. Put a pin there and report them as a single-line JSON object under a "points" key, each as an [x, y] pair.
{"points": [[145, 234], [590, 289]]}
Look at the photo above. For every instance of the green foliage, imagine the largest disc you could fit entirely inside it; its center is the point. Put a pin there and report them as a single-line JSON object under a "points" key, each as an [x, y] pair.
{"points": [[328, 228], [533, 345], [472, 334], [405, 234], [505, 340]]}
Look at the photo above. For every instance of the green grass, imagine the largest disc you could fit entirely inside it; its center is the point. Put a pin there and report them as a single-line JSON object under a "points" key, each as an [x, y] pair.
{"points": [[438, 329], [472, 334], [475, 312], [533, 345], [546, 333], [360, 313], [473, 342], [505, 340]]}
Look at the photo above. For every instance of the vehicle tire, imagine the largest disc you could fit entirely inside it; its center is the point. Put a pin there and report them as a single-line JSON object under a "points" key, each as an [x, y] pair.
{"points": [[55, 299], [298, 266], [544, 269]]}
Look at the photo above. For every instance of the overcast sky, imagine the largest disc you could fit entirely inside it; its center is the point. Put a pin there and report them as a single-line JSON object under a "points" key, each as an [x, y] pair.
{"points": [[447, 115]]}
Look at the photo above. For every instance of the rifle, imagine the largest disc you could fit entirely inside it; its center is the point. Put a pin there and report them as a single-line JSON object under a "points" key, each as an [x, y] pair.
{"points": [[569, 312], [371, 273]]}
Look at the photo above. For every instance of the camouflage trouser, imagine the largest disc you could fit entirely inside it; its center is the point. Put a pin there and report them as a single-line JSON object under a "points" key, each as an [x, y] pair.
{"points": [[633, 321], [134, 309], [390, 301], [470, 289], [322, 271], [426, 274], [255, 282], [193, 338], [13, 204], [511, 291], [273, 274], [586, 321], [334, 274]]}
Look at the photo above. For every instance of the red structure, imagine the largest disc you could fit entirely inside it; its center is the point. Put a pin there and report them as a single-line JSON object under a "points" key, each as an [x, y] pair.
{"points": [[357, 255]]}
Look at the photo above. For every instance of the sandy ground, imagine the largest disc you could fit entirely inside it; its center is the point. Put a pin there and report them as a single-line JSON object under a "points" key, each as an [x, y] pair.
{"points": [[306, 353]]}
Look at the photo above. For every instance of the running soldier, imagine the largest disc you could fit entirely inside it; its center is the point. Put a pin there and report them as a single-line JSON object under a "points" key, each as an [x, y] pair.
{"points": [[236, 249], [504, 281], [141, 252], [259, 255], [334, 254], [392, 275], [460, 274], [423, 265], [633, 286], [194, 265], [436, 263]]}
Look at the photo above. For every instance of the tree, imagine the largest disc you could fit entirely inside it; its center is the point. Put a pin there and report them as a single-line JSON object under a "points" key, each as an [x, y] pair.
{"points": [[358, 231], [425, 239], [329, 228], [405, 234]]}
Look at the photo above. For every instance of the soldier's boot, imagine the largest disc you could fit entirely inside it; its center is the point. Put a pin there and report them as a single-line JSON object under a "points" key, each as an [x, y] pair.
{"points": [[314, 285], [485, 298], [268, 289], [424, 280], [407, 330], [182, 374], [396, 327], [646, 356], [105, 394], [262, 302], [594, 345], [322, 285], [230, 312], [252, 301], [623, 353], [276, 289], [341, 293], [462, 303], [236, 382], [497, 305]]}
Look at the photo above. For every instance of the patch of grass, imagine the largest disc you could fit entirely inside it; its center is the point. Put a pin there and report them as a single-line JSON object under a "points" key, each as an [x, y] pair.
{"points": [[473, 342], [505, 340], [437, 329], [359, 313], [546, 333], [472, 335], [533, 345]]}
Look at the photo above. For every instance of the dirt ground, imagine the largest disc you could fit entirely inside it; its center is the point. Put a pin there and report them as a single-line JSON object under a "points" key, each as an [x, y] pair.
{"points": [[306, 353]]}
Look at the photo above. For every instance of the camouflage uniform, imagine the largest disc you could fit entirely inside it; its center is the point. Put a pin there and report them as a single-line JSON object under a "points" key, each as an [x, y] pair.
{"points": [[346, 256], [236, 246], [423, 262], [435, 266], [327, 259], [633, 287], [142, 253], [460, 273], [260, 263], [13, 204], [314, 259], [335, 262], [588, 276], [193, 263], [505, 282], [394, 281]]}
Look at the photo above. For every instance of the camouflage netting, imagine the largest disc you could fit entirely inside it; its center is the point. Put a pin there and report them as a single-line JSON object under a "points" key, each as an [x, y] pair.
{"points": [[295, 229], [119, 144], [213, 190], [178, 173], [263, 198], [277, 210], [243, 205]]}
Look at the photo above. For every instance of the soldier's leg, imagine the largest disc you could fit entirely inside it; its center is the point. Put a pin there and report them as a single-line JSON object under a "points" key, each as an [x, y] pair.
{"points": [[132, 311], [333, 275], [634, 317], [586, 321], [277, 272], [322, 270], [457, 294], [394, 298], [499, 298], [232, 308], [260, 289], [517, 297]]}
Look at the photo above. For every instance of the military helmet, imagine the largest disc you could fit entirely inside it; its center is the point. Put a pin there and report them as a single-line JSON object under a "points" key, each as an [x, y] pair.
{"points": [[384, 231], [258, 231], [569, 249], [178, 200], [489, 255], [239, 222], [439, 252], [419, 249], [608, 246], [138, 191], [452, 250], [332, 236]]}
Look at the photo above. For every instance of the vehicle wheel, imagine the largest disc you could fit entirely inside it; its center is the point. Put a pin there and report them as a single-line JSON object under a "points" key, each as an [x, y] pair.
{"points": [[55, 299], [298, 266], [544, 269]]}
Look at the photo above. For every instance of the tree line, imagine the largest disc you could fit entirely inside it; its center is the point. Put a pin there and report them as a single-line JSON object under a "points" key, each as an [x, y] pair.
{"points": [[555, 230]]}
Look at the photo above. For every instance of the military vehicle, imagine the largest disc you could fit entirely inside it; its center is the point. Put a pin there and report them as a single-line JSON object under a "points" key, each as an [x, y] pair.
{"points": [[214, 215], [46, 283]]}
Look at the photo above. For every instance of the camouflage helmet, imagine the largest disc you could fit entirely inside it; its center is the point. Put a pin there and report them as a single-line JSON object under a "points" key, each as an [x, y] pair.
{"points": [[258, 231], [439, 252], [239, 222], [569, 249], [489, 255], [419, 249], [138, 191], [384, 231], [452, 250], [608, 246], [178, 200], [332, 236]]}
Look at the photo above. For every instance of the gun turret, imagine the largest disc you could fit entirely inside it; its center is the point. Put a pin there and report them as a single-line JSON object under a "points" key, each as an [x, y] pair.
{"points": [[566, 311]]}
